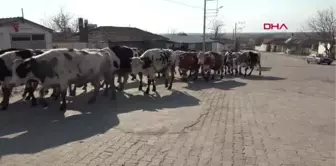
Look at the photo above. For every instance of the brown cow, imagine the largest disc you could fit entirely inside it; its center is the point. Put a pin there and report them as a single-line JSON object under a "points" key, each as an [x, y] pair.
{"points": [[188, 61], [211, 61], [218, 67]]}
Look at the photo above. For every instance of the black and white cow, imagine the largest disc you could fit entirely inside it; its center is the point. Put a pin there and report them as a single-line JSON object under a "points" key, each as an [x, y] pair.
{"points": [[7, 58], [247, 59], [153, 61], [125, 55], [59, 67]]}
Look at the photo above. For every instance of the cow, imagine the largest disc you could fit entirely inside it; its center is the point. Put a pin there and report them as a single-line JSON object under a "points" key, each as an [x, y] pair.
{"points": [[61, 66], [228, 62], [7, 58], [153, 61], [125, 55], [188, 61], [247, 59], [137, 53], [218, 66], [207, 62]]}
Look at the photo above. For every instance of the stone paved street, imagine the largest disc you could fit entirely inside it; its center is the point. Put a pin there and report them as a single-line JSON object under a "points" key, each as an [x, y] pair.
{"points": [[284, 117]]}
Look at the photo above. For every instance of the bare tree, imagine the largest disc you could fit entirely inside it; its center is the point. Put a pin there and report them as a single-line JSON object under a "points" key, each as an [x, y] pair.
{"points": [[62, 22], [172, 31], [216, 27], [324, 24]]}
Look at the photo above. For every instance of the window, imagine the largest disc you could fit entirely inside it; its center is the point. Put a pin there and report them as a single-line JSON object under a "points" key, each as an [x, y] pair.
{"points": [[38, 37], [20, 38]]}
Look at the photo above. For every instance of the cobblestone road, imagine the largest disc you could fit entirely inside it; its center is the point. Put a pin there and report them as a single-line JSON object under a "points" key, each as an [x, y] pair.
{"points": [[285, 117]]}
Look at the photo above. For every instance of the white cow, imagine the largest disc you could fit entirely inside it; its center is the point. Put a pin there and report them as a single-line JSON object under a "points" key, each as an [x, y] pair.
{"points": [[153, 61], [58, 67]]}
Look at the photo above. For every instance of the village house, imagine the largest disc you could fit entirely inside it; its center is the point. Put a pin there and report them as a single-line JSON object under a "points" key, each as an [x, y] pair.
{"points": [[18, 32], [99, 37], [185, 41]]}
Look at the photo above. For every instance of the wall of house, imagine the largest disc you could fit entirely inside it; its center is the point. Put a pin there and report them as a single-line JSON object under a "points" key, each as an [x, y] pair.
{"points": [[24, 28], [199, 46], [77, 45], [262, 47], [221, 47]]}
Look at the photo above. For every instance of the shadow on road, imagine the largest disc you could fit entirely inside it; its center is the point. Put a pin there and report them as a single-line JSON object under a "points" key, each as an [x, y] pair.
{"points": [[267, 78], [222, 85], [31, 130]]}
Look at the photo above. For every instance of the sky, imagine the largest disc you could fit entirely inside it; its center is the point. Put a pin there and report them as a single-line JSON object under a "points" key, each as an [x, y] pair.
{"points": [[163, 16]]}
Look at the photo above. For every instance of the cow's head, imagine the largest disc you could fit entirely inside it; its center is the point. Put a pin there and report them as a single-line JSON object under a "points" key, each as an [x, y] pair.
{"points": [[22, 71], [201, 57]]}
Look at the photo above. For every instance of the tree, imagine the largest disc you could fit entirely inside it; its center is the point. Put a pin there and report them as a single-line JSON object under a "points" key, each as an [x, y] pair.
{"points": [[216, 27], [324, 24], [62, 22], [172, 31]]}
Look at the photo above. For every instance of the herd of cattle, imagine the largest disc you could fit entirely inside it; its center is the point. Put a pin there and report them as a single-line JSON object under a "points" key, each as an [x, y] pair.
{"points": [[64, 68]]}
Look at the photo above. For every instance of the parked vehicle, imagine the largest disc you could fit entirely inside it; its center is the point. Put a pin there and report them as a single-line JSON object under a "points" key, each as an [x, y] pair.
{"points": [[319, 59]]}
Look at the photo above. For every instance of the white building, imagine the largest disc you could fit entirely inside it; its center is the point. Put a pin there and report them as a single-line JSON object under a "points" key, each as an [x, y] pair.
{"points": [[17, 32]]}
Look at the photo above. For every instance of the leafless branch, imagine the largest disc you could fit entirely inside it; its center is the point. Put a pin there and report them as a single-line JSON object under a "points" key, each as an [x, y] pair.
{"points": [[216, 27], [62, 22]]}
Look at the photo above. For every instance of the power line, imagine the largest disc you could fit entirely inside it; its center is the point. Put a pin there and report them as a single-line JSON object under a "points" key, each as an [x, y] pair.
{"points": [[195, 7]]}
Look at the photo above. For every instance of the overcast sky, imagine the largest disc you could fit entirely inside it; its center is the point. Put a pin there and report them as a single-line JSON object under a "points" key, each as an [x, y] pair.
{"points": [[160, 16]]}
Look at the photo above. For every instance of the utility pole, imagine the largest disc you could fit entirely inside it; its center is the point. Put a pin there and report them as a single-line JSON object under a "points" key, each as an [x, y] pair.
{"points": [[235, 37], [204, 19]]}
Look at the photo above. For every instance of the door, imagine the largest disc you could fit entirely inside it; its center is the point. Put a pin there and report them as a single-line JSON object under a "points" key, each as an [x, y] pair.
{"points": [[28, 41], [20, 40], [38, 41]]}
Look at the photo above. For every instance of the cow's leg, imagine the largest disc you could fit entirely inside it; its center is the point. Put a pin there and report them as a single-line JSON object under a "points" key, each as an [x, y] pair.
{"points": [[119, 81], [6, 91], [55, 93], [105, 83], [195, 74], [124, 81], [172, 77], [72, 92], [25, 92], [63, 98], [31, 91], [221, 71], [149, 81], [166, 78], [140, 82], [180, 72], [41, 97], [85, 87], [240, 70], [112, 87], [213, 74], [252, 68], [259, 67], [96, 84], [133, 77], [154, 85], [246, 68]]}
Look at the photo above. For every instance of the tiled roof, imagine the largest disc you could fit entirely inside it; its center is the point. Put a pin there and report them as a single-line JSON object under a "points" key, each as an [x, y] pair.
{"points": [[121, 34], [187, 38], [8, 20], [112, 33]]}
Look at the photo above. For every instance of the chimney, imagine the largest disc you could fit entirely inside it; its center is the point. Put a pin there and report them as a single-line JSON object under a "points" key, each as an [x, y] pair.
{"points": [[86, 31], [85, 23], [80, 28]]}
